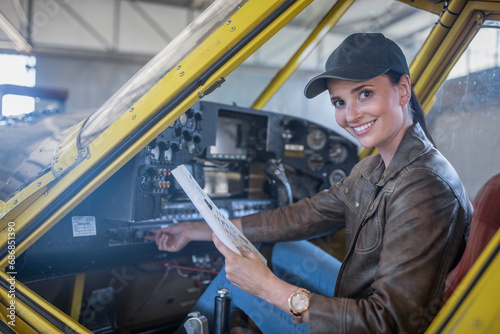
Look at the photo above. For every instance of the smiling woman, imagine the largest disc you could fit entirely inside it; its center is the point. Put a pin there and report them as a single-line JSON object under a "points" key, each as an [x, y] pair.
{"points": [[405, 213]]}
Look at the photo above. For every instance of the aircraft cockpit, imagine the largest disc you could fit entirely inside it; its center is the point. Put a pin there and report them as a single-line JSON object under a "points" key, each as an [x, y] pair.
{"points": [[81, 193], [246, 160]]}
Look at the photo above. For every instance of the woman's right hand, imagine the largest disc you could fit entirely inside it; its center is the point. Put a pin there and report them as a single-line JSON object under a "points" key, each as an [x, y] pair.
{"points": [[175, 237]]}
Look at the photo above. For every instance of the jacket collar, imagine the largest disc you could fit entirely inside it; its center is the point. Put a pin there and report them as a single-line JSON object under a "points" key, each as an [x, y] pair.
{"points": [[413, 145]]}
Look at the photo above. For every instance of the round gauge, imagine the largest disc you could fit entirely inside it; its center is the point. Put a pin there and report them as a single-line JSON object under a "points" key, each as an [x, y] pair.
{"points": [[168, 155], [293, 131], [183, 119], [338, 153], [336, 176], [315, 162], [316, 139]]}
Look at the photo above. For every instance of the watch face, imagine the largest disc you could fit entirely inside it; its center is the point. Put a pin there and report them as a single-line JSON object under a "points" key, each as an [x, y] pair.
{"points": [[299, 302]]}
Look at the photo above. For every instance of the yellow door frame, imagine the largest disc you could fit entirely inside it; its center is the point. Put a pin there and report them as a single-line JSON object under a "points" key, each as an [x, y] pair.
{"points": [[25, 207], [316, 36]]}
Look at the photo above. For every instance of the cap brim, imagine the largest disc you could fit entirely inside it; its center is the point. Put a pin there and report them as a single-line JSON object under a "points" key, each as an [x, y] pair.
{"points": [[318, 84]]}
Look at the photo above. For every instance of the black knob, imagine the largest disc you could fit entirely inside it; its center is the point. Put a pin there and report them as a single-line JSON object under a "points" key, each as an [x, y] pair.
{"points": [[196, 137], [189, 113], [198, 116], [174, 146], [187, 135]]}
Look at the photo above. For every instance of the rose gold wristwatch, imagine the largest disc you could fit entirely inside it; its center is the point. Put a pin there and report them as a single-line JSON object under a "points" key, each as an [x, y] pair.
{"points": [[299, 303]]}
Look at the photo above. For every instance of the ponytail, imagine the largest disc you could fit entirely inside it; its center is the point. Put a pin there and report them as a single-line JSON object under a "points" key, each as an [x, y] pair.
{"points": [[417, 112], [418, 115]]}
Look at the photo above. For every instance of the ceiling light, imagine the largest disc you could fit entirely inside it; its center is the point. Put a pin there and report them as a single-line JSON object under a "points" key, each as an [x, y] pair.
{"points": [[491, 24]]}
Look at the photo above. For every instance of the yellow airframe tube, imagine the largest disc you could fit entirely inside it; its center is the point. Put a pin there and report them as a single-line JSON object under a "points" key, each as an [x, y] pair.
{"points": [[316, 36], [434, 40], [153, 100], [427, 53], [35, 320], [242, 23], [473, 307]]}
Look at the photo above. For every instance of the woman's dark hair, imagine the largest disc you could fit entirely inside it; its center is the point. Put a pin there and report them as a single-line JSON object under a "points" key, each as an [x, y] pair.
{"points": [[415, 107]]}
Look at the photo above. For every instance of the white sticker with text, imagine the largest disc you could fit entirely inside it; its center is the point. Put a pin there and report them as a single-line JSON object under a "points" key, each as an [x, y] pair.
{"points": [[83, 226]]}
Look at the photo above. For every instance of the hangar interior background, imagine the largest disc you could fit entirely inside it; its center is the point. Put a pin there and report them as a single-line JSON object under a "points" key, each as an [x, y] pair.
{"points": [[85, 50], [90, 48]]}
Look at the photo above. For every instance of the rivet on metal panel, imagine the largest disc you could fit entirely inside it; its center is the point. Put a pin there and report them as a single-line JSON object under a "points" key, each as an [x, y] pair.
{"points": [[233, 29], [39, 184], [178, 67], [15, 201], [476, 324], [228, 22], [133, 116], [181, 74], [131, 109]]}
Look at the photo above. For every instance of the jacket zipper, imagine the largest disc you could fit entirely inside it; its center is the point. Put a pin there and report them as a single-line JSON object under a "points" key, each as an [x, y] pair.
{"points": [[358, 231]]}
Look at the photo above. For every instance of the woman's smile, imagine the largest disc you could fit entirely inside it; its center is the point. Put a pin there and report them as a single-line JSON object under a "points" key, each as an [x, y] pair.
{"points": [[362, 129]]}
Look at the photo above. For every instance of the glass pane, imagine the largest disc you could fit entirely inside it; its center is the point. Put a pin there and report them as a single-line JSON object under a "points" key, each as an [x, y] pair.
{"points": [[15, 105], [20, 71], [405, 24], [464, 119], [158, 67], [32, 142]]}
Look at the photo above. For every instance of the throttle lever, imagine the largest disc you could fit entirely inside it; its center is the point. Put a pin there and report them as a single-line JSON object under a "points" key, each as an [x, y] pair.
{"points": [[196, 324]]}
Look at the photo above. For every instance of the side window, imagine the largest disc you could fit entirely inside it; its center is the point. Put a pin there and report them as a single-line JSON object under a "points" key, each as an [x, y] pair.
{"points": [[465, 117], [16, 70]]}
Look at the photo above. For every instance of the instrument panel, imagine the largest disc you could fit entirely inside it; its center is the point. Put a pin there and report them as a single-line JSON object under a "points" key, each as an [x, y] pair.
{"points": [[316, 150], [226, 149]]}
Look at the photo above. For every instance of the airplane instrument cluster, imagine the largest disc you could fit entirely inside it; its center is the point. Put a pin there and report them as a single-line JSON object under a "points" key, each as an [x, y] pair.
{"points": [[246, 160]]}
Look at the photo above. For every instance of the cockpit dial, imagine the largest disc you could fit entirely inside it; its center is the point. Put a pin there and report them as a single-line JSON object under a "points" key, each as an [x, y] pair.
{"points": [[183, 119], [338, 153], [316, 139]]}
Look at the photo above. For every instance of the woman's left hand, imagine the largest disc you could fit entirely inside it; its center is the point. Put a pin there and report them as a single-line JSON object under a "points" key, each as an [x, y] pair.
{"points": [[249, 273], [246, 271]]}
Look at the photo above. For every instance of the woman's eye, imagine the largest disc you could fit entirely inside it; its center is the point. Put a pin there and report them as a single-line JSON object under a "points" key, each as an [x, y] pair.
{"points": [[365, 94], [338, 103]]}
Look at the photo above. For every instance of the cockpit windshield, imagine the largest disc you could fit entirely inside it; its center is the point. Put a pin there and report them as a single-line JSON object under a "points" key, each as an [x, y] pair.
{"points": [[29, 150]]}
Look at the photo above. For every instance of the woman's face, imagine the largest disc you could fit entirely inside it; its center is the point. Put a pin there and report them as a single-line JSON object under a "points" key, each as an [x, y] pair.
{"points": [[373, 111]]}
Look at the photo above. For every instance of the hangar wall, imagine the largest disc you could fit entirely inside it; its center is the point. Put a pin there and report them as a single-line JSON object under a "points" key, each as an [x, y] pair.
{"points": [[91, 81]]}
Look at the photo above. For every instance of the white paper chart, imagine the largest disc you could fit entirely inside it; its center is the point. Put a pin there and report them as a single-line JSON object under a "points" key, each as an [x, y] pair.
{"points": [[223, 228]]}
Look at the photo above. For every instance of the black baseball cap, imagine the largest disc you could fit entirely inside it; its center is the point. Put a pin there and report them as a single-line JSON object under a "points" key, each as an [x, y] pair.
{"points": [[360, 57]]}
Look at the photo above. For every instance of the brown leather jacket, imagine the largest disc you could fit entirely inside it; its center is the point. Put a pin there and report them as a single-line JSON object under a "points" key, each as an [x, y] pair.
{"points": [[405, 227]]}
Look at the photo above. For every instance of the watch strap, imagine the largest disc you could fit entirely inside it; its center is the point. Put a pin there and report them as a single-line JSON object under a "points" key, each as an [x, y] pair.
{"points": [[297, 316]]}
